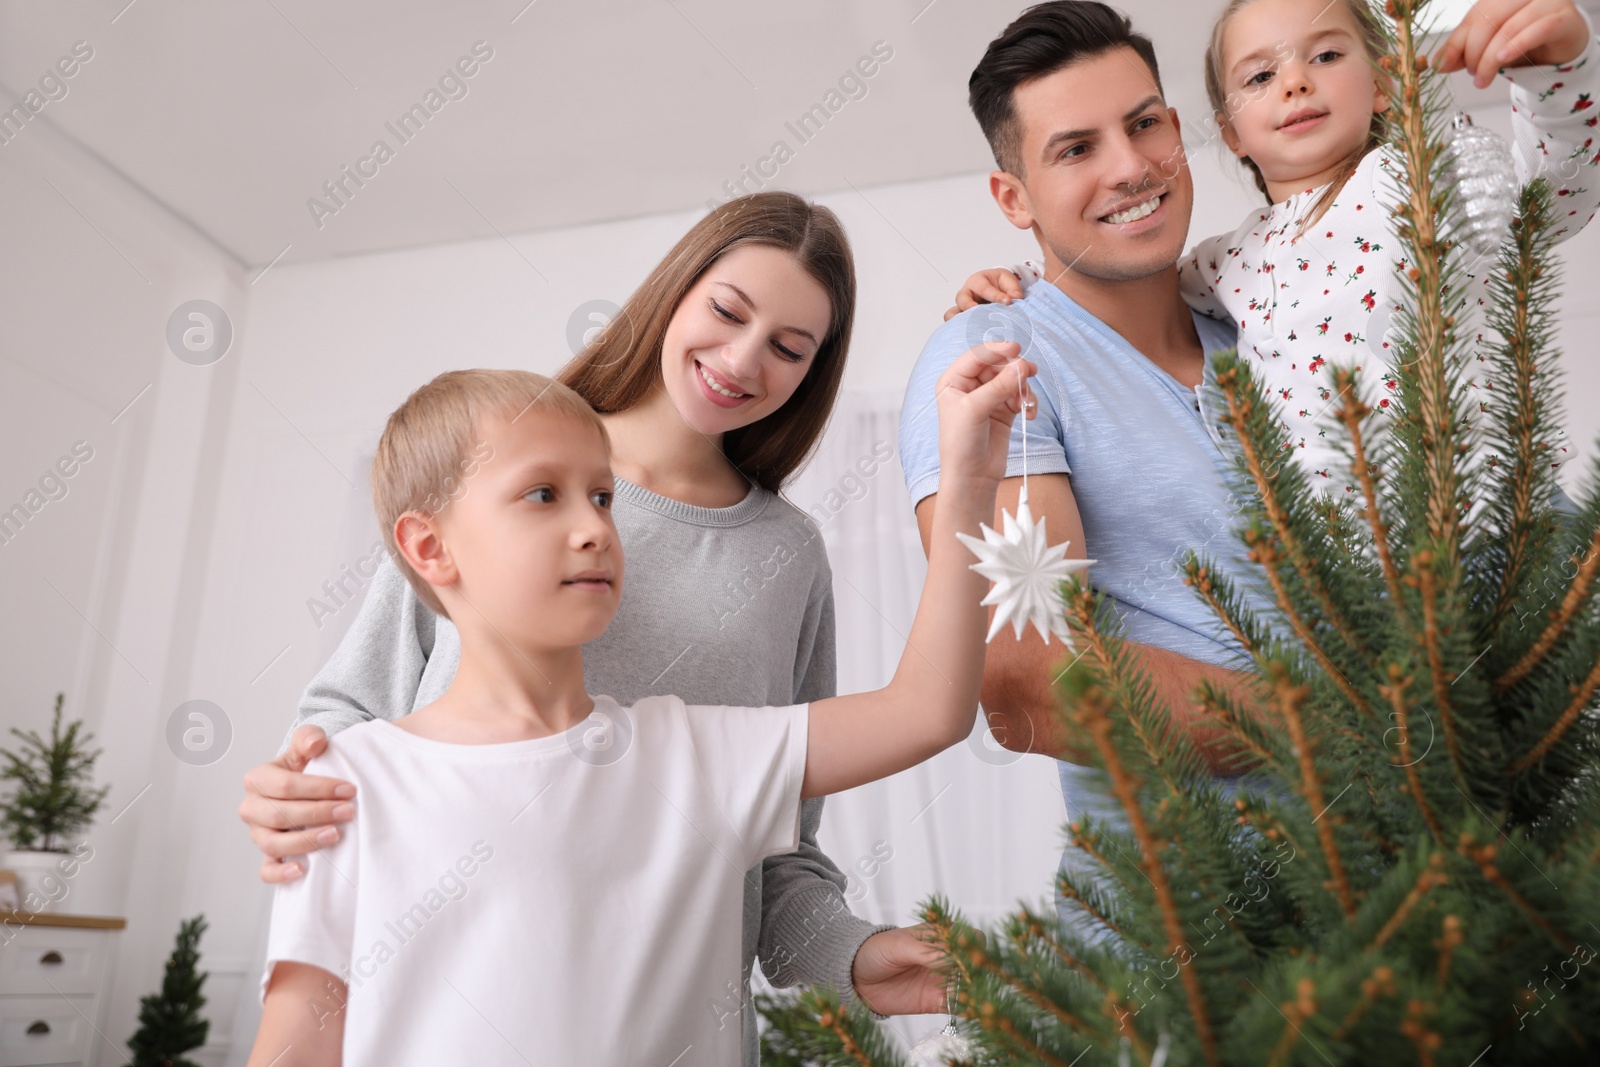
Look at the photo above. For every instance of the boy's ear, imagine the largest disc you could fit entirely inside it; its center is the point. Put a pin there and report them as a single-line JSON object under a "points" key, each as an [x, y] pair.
{"points": [[417, 537]]}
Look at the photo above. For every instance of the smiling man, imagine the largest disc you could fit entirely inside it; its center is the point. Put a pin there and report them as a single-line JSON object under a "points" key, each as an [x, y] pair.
{"points": [[1120, 463]]}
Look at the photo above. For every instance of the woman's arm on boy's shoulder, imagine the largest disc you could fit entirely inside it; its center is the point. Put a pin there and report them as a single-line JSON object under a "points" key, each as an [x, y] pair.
{"points": [[375, 673], [302, 1019], [377, 669], [931, 702]]}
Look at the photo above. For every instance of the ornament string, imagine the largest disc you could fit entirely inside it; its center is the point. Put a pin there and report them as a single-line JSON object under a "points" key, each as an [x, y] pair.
{"points": [[1025, 568]]}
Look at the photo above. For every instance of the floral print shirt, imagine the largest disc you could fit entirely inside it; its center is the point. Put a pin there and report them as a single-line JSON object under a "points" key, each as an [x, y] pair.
{"points": [[1305, 297]]}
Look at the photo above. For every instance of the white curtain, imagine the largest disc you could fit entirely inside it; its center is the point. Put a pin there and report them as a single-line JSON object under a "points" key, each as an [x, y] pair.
{"points": [[977, 823]]}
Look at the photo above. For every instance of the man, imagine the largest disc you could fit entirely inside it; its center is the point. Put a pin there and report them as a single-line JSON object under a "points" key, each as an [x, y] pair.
{"points": [[1120, 463]]}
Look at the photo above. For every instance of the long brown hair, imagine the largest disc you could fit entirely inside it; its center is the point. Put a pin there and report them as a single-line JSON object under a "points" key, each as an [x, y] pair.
{"points": [[623, 363], [1376, 44]]}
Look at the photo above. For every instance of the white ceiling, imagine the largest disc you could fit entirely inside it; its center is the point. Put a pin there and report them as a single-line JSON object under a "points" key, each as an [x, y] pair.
{"points": [[233, 115]]}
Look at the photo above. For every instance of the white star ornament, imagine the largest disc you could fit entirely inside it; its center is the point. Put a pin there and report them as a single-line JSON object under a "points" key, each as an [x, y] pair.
{"points": [[1026, 572]]}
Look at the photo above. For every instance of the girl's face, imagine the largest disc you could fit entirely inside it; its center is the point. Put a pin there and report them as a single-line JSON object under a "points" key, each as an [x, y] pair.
{"points": [[743, 338], [1300, 90]]}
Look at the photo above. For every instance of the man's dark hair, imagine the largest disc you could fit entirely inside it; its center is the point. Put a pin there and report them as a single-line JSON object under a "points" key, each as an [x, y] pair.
{"points": [[1042, 40]]}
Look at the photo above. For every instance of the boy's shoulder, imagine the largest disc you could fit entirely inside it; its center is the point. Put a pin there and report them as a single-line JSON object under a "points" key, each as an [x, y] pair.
{"points": [[349, 746]]}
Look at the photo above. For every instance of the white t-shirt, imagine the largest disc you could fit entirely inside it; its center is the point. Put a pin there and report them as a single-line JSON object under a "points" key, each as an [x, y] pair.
{"points": [[573, 899]]}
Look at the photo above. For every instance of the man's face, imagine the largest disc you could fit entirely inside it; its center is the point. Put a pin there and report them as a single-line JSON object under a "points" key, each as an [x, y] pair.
{"points": [[1105, 180]]}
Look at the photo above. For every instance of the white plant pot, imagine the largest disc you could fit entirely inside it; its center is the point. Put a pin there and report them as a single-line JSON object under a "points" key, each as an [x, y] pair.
{"points": [[39, 877]]}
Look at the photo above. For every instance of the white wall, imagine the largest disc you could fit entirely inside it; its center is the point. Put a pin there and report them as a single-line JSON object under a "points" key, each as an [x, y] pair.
{"points": [[221, 500]]}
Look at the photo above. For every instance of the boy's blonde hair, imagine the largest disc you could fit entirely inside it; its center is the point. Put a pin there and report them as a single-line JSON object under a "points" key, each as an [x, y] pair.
{"points": [[1374, 41], [427, 457]]}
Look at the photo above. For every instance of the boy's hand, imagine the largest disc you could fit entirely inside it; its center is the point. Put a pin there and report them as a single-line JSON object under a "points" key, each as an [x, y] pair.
{"points": [[979, 396], [997, 286], [1513, 33], [289, 812]]}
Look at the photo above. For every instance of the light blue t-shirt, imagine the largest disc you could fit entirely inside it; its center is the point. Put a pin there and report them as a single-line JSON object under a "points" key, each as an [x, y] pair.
{"points": [[1147, 475]]}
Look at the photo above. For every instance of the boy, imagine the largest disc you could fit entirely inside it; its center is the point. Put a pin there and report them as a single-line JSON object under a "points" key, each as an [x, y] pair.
{"points": [[540, 875]]}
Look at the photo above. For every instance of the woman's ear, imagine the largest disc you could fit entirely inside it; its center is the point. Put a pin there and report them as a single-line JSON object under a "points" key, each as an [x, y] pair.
{"points": [[417, 537]]}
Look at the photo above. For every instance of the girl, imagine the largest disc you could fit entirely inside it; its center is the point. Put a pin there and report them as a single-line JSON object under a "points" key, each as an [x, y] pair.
{"points": [[1311, 279], [715, 381]]}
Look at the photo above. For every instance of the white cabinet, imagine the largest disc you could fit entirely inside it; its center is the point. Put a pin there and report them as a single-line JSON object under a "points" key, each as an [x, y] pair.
{"points": [[55, 972]]}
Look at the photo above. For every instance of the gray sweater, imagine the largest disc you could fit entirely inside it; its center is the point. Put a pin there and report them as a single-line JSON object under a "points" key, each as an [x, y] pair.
{"points": [[730, 606]]}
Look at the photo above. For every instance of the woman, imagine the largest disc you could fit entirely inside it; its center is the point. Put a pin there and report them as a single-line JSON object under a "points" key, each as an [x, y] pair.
{"points": [[715, 382]]}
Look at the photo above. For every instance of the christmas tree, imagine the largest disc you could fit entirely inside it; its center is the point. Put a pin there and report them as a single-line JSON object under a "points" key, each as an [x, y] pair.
{"points": [[1414, 875], [169, 1021]]}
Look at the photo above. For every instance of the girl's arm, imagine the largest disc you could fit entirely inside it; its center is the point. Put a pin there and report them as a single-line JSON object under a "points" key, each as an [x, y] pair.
{"points": [[933, 698], [997, 285], [1546, 49], [302, 1019], [1554, 124], [1199, 273]]}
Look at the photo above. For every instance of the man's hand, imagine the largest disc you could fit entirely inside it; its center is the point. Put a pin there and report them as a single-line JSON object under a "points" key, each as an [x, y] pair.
{"points": [[291, 813], [898, 972], [1513, 33]]}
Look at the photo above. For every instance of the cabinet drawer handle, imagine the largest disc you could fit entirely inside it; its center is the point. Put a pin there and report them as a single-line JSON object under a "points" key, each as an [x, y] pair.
{"points": [[50, 957], [39, 1027]]}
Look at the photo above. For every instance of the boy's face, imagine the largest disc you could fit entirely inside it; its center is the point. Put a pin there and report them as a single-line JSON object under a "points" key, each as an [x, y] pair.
{"points": [[531, 542]]}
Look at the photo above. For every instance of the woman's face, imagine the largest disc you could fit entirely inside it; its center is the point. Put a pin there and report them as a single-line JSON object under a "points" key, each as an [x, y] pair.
{"points": [[743, 338]]}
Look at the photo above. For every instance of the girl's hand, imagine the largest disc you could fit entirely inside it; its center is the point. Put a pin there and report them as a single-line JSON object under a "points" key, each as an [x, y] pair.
{"points": [[1513, 33], [997, 286], [979, 396]]}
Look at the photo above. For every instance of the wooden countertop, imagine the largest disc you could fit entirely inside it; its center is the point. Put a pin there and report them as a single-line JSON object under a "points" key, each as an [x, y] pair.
{"points": [[50, 918]]}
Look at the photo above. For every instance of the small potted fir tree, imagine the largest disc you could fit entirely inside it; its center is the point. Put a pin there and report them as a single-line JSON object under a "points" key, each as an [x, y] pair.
{"points": [[51, 803]]}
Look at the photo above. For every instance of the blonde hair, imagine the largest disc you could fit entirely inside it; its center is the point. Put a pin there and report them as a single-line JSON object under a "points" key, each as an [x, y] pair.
{"points": [[427, 457], [1376, 43]]}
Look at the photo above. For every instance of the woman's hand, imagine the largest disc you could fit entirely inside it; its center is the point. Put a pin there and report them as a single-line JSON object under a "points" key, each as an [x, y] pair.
{"points": [[1514, 33], [996, 286], [979, 395], [899, 972], [291, 813]]}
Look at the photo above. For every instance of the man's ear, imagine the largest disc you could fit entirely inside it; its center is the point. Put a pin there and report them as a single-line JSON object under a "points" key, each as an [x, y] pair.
{"points": [[418, 538], [1230, 136], [1012, 196]]}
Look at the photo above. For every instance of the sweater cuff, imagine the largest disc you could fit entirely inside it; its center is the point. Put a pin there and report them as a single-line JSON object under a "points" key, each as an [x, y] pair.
{"points": [[814, 940], [847, 987], [1539, 80]]}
